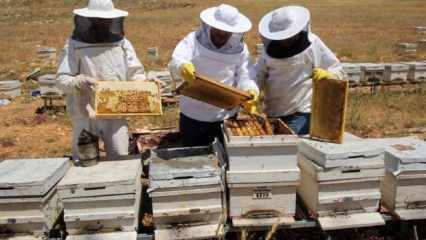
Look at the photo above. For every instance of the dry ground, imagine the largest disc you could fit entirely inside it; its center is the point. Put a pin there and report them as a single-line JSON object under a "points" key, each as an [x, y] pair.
{"points": [[357, 30]]}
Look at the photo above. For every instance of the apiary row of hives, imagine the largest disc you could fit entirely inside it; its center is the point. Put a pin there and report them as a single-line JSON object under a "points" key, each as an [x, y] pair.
{"points": [[385, 73], [195, 191]]}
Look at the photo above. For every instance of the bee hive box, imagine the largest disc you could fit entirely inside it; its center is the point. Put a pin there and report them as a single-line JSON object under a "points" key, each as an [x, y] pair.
{"points": [[28, 199], [403, 187], [395, 73], [102, 198], [263, 172], [340, 183], [126, 98]]}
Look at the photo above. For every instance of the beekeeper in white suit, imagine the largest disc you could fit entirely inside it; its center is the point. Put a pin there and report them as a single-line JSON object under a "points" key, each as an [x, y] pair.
{"points": [[216, 50], [97, 50], [293, 56]]}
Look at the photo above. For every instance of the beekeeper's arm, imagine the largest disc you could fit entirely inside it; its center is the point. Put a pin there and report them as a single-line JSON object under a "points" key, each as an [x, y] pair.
{"points": [[246, 81], [181, 66], [135, 69], [68, 77], [327, 64]]}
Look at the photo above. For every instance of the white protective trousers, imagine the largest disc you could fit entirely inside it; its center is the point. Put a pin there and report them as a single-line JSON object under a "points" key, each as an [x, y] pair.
{"points": [[232, 69], [106, 61]]}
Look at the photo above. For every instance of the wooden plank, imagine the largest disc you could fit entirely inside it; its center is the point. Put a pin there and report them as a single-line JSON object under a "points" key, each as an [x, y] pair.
{"points": [[127, 98], [30, 177], [213, 92], [354, 220], [104, 236], [190, 232], [328, 109], [262, 222]]}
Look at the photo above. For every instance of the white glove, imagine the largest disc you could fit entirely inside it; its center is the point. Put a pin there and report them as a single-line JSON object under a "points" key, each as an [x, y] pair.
{"points": [[84, 81]]}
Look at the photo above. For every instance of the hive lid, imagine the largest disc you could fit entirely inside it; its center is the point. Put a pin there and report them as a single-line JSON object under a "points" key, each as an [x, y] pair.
{"points": [[102, 175], [325, 153], [30, 177], [413, 151], [183, 163]]}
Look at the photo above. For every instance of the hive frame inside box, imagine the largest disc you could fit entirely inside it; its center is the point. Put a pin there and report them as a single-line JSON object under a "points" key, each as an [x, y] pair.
{"points": [[262, 178], [102, 207], [194, 202], [341, 195]]}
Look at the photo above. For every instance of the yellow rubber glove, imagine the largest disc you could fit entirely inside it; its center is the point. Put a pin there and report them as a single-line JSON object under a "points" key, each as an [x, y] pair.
{"points": [[187, 71], [320, 73], [250, 106]]}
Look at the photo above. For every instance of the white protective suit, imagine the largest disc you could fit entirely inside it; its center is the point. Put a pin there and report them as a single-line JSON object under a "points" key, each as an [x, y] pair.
{"points": [[105, 61], [232, 69], [287, 83]]}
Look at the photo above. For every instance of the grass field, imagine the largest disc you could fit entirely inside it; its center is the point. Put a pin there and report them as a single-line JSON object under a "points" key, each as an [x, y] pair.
{"points": [[356, 30]]}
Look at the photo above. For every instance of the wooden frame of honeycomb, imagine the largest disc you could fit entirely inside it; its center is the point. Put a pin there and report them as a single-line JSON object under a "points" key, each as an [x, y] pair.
{"points": [[127, 98]]}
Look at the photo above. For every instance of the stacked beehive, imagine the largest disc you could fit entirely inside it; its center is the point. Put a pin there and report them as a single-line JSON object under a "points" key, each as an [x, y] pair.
{"points": [[263, 172], [416, 71], [340, 182], [395, 73], [102, 198], [372, 73], [403, 187], [353, 70], [29, 201], [187, 192]]}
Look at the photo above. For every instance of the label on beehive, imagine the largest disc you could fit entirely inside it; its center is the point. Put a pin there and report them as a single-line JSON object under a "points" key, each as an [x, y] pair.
{"points": [[127, 98], [260, 193]]}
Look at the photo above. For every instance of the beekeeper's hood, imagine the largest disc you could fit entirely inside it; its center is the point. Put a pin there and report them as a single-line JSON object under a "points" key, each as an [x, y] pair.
{"points": [[99, 22], [286, 31], [225, 18]]}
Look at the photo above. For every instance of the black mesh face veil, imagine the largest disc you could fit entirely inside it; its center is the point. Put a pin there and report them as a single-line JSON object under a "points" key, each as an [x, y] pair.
{"points": [[98, 30], [287, 48]]}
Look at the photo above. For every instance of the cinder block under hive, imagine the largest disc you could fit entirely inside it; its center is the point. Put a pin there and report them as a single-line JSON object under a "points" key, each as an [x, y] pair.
{"points": [[29, 202], [103, 198], [186, 186]]}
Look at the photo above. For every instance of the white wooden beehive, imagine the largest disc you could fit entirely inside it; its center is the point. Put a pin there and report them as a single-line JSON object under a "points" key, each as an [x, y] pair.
{"points": [[403, 187], [186, 186], [339, 195], [102, 198], [28, 198], [353, 71], [372, 73], [395, 73], [416, 72]]}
